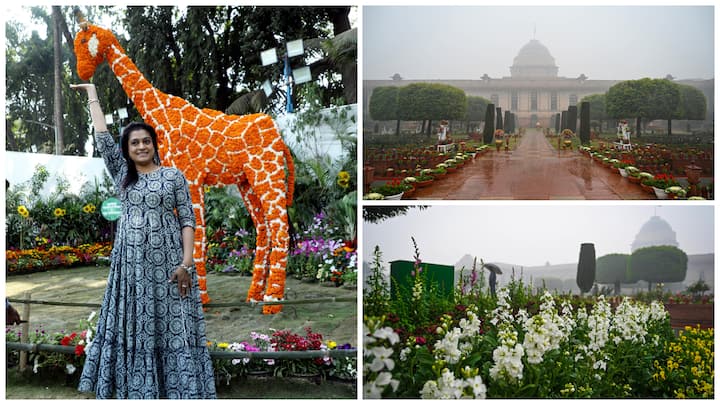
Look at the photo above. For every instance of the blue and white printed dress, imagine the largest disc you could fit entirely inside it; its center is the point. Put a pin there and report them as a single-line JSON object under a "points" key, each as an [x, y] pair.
{"points": [[150, 342]]}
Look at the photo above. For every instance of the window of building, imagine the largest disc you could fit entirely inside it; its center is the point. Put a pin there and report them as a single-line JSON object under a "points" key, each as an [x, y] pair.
{"points": [[573, 99], [495, 99], [553, 101], [514, 101], [533, 100]]}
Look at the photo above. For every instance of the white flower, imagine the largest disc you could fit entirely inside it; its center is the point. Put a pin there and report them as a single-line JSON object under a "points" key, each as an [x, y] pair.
{"points": [[387, 333], [382, 358], [478, 388], [69, 368], [385, 379]]}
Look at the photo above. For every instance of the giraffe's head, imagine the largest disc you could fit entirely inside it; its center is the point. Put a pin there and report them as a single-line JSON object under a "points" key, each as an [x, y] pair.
{"points": [[92, 45]]}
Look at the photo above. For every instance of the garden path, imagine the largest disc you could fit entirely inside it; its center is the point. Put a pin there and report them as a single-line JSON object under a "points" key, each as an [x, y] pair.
{"points": [[533, 171]]}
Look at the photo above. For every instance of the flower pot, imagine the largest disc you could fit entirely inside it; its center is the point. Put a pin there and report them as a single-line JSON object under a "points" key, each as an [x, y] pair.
{"points": [[622, 172], [423, 183], [635, 180], [407, 194], [682, 315], [660, 193], [394, 196], [647, 188]]}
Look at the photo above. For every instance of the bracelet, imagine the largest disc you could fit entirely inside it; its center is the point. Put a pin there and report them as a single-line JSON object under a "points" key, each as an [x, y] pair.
{"points": [[93, 100]]}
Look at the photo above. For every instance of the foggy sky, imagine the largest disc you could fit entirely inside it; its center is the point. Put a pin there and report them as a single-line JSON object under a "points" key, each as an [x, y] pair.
{"points": [[613, 43], [530, 235]]}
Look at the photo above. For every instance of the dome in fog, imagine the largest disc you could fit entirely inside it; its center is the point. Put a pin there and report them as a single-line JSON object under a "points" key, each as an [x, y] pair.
{"points": [[533, 61], [655, 232]]}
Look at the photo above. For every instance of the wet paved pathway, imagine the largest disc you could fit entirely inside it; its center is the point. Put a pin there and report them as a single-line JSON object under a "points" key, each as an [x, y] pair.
{"points": [[533, 171]]}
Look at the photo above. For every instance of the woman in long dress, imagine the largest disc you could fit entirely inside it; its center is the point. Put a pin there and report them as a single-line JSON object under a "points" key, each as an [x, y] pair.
{"points": [[150, 339]]}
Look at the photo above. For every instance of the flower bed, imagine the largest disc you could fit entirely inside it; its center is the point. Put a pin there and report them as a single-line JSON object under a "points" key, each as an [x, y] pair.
{"points": [[522, 344], [50, 257]]}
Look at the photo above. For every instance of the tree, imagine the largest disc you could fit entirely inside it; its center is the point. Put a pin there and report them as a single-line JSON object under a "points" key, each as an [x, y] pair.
{"points": [[498, 118], [586, 267], [377, 214], [693, 104], [584, 123], [572, 118], [663, 100], [644, 99], [426, 101], [659, 264], [383, 105], [627, 99], [489, 129], [597, 109], [613, 269], [475, 110]]}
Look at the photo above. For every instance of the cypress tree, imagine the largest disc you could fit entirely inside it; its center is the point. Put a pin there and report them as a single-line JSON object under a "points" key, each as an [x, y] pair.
{"points": [[557, 123], [489, 124], [507, 125], [563, 121], [585, 123], [572, 118], [499, 118], [586, 267]]}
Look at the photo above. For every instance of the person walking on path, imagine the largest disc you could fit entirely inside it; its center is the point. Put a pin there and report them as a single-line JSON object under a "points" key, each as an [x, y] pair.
{"points": [[150, 340]]}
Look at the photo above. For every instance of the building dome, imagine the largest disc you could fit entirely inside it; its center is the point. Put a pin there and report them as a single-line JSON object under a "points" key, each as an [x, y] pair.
{"points": [[533, 61], [655, 232]]}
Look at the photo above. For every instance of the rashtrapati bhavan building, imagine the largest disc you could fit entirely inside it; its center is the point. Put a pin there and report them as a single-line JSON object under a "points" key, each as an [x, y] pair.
{"points": [[534, 91]]}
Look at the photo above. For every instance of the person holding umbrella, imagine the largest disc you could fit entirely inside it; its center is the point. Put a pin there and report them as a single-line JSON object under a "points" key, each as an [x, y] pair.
{"points": [[494, 270]]}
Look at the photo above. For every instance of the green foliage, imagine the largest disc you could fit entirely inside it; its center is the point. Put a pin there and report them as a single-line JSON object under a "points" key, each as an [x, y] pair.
{"points": [[597, 106], [612, 268], [693, 104], [584, 123], [572, 116], [476, 108], [60, 219], [425, 101], [489, 129], [376, 292], [383, 103], [659, 264], [586, 267]]}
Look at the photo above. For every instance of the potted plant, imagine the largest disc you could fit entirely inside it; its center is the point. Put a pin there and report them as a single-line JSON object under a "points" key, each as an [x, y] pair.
{"points": [[661, 182], [392, 190], [424, 180]]}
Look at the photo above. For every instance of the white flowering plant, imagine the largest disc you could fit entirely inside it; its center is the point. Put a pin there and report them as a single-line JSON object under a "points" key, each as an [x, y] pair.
{"points": [[520, 344]]}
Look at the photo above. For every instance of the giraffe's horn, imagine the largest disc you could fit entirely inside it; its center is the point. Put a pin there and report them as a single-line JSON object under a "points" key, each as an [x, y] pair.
{"points": [[81, 18]]}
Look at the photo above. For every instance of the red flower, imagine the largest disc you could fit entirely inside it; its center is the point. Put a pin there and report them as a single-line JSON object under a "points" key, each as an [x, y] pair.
{"points": [[419, 340], [79, 350], [65, 341]]}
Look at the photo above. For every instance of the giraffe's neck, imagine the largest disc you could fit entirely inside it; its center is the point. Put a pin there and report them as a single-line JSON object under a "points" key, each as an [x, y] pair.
{"points": [[136, 86], [150, 102]]}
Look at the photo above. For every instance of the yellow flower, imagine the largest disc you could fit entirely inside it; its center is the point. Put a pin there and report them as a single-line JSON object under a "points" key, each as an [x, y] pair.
{"points": [[223, 345], [343, 183], [206, 189], [89, 208], [209, 343], [23, 211], [331, 344], [343, 175], [59, 212]]}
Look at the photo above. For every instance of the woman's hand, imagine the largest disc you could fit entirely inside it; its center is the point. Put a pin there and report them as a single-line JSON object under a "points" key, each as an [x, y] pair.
{"points": [[88, 87], [183, 281]]}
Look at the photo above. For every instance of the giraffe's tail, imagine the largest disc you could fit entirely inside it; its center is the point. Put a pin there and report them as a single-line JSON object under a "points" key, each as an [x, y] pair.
{"points": [[291, 175]]}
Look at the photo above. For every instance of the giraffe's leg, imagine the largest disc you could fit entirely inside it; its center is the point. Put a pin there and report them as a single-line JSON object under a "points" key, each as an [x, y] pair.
{"points": [[262, 247], [277, 219], [200, 243]]}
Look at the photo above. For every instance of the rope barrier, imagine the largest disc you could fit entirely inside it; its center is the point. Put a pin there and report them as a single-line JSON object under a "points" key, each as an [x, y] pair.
{"points": [[308, 354], [218, 305]]}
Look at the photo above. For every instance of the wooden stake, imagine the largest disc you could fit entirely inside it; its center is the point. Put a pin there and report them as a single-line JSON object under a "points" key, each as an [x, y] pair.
{"points": [[25, 332]]}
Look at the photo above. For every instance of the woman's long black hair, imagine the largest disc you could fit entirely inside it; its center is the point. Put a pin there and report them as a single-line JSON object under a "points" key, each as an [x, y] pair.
{"points": [[132, 174]]}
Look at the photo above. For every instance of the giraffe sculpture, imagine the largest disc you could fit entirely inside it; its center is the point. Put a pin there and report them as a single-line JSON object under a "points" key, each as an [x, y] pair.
{"points": [[211, 148]]}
